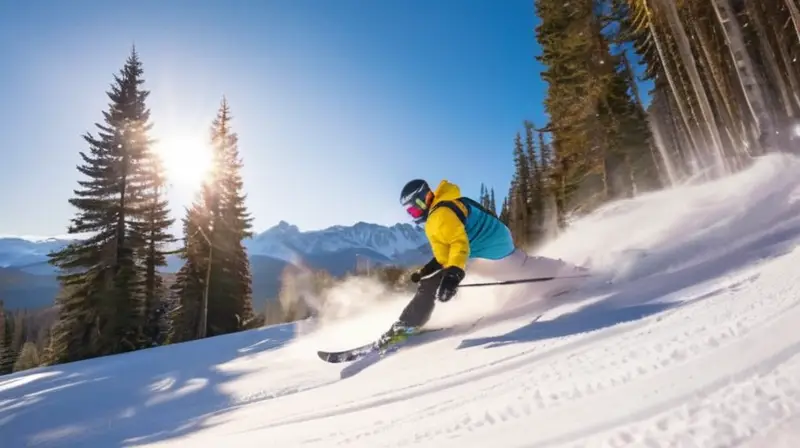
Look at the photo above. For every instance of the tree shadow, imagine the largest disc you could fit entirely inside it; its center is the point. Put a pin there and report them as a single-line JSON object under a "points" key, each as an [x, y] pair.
{"points": [[140, 397]]}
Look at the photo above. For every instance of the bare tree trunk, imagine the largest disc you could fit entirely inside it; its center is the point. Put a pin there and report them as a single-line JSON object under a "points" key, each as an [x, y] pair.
{"points": [[794, 12], [654, 146], [788, 70], [718, 87], [671, 80], [689, 63], [745, 69], [771, 59]]}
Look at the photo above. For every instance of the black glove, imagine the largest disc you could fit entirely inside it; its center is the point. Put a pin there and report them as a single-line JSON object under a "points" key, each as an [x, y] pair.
{"points": [[431, 267], [448, 286]]}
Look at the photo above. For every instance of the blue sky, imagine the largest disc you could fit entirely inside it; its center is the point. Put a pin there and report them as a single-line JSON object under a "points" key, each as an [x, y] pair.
{"points": [[337, 103]]}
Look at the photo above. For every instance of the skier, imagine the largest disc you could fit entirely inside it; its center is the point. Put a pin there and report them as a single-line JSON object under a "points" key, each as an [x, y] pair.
{"points": [[463, 235]]}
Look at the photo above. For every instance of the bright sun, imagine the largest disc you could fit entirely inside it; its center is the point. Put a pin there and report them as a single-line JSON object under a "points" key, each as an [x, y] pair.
{"points": [[186, 158]]}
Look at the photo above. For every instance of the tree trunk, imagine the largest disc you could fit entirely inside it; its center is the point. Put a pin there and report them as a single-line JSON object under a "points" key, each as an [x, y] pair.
{"points": [[671, 81], [794, 12], [718, 87], [685, 51], [789, 70], [771, 59], [745, 69]]}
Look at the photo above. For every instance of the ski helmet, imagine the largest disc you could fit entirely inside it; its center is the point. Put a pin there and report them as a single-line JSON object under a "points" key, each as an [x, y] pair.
{"points": [[416, 197]]}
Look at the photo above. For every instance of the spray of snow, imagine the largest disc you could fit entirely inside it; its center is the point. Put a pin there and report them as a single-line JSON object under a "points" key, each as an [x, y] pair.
{"points": [[688, 225], [358, 309]]}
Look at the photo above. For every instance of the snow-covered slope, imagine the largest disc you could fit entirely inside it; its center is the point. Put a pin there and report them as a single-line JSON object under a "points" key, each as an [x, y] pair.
{"points": [[287, 242], [694, 344]]}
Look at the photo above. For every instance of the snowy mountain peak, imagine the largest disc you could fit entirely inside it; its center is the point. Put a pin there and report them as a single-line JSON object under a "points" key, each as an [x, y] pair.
{"points": [[282, 227], [286, 241], [21, 250], [283, 241]]}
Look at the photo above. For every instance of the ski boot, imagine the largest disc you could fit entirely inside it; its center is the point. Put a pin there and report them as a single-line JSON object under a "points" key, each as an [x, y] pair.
{"points": [[399, 332]]}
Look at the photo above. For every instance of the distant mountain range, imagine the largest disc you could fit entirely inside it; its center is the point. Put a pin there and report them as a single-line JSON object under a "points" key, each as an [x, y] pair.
{"points": [[28, 281]]}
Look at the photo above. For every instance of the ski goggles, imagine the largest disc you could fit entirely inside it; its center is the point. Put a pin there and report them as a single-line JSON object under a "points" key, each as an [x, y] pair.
{"points": [[416, 208]]}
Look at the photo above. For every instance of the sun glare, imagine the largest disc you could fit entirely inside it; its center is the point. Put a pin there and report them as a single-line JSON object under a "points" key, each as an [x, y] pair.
{"points": [[186, 158]]}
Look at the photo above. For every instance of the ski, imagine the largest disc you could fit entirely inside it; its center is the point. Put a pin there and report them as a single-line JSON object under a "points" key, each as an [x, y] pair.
{"points": [[347, 355], [357, 353]]}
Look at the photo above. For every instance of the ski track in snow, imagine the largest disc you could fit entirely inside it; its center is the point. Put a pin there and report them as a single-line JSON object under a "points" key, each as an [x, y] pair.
{"points": [[695, 344]]}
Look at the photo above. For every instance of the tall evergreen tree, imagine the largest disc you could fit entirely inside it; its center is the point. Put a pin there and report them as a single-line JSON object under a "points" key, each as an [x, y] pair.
{"points": [[505, 213], [232, 223], [189, 287], [101, 304], [600, 137], [549, 218], [153, 234], [484, 196], [520, 218], [535, 186], [567, 38], [545, 160], [487, 199], [215, 285]]}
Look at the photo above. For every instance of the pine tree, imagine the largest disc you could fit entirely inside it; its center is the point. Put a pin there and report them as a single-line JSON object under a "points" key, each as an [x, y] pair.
{"points": [[484, 197], [214, 284], [545, 160], [517, 215], [188, 290], [153, 230], [232, 223], [487, 199], [519, 197], [566, 46], [629, 163], [600, 137], [101, 306], [535, 187], [549, 218], [505, 213]]}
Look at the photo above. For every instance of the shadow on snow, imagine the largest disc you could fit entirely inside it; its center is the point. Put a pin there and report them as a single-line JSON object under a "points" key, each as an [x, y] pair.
{"points": [[140, 397]]}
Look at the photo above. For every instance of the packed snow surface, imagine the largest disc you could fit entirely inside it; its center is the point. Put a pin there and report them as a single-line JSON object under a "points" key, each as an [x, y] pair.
{"points": [[688, 338]]}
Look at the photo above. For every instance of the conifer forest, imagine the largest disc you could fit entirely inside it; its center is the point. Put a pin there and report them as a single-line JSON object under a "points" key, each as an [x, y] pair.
{"points": [[641, 95]]}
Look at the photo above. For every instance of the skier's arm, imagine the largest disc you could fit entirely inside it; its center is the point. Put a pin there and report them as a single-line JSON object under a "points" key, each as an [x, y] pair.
{"points": [[451, 237]]}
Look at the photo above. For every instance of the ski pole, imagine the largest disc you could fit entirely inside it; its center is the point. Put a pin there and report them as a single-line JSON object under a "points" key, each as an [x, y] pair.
{"points": [[523, 280]]}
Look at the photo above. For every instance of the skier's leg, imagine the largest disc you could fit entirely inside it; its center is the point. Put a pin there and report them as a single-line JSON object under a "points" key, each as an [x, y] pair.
{"points": [[419, 309], [417, 312]]}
